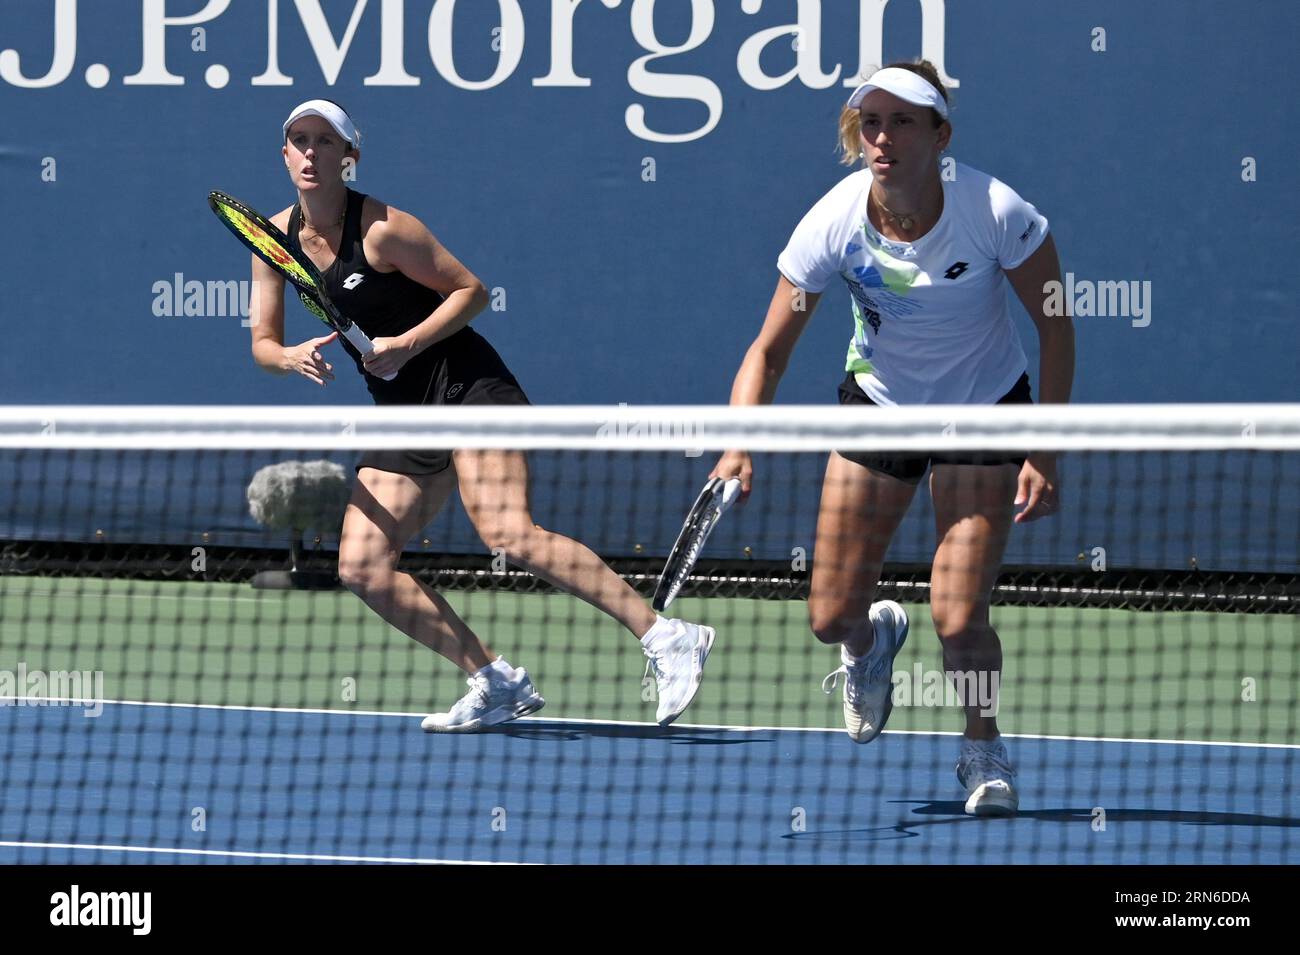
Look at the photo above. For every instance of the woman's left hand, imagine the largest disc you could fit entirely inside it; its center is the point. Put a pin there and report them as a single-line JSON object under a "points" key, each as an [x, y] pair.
{"points": [[389, 356], [1038, 489]]}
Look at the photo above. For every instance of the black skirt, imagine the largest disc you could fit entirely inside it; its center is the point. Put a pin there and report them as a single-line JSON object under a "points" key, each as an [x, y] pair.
{"points": [[462, 370], [912, 467]]}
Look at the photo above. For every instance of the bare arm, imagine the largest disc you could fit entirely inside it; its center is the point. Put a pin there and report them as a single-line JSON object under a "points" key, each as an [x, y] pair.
{"points": [[1055, 332], [266, 314], [768, 356], [764, 364], [1039, 485], [403, 242]]}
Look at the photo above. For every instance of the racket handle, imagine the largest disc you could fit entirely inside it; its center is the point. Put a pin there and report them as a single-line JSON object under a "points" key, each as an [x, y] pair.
{"points": [[730, 491], [362, 343]]}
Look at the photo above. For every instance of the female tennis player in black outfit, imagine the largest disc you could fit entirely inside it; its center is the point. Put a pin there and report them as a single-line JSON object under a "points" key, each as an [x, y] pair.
{"points": [[387, 273]]}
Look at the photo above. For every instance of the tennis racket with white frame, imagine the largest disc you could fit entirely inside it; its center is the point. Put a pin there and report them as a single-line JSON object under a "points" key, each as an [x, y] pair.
{"points": [[717, 496]]}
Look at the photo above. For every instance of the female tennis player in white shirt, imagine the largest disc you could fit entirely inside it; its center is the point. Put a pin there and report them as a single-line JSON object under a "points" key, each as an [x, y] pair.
{"points": [[924, 259]]}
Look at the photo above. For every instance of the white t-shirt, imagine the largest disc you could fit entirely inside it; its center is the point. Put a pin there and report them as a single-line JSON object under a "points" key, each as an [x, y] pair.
{"points": [[932, 324]]}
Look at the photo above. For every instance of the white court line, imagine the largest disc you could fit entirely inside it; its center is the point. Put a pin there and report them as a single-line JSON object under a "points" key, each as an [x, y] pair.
{"points": [[235, 854], [138, 595], [36, 701]]}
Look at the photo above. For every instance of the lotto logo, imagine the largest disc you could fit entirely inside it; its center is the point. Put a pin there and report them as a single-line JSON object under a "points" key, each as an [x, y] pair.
{"points": [[353, 280]]}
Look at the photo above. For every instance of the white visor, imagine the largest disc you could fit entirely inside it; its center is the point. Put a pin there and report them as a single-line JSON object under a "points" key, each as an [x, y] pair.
{"points": [[904, 84], [329, 112]]}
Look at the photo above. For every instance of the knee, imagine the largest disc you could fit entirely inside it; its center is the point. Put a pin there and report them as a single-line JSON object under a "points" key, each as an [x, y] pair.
{"points": [[515, 540], [363, 571]]}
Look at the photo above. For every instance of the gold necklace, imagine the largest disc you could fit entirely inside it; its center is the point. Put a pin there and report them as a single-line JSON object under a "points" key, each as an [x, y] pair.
{"points": [[342, 215], [319, 236], [905, 221]]}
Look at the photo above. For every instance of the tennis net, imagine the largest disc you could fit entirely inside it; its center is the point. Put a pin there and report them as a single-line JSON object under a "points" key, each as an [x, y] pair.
{"points": [[183, 678]]}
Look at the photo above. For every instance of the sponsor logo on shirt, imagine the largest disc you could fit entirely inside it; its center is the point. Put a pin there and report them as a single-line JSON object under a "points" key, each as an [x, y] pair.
{"points": [[353, 280], [454, 390], [956, 269], [869, 276], [1028, 232]]}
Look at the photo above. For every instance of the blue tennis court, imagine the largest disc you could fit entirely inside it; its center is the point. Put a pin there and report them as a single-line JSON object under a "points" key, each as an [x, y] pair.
{"points": [[154, 783]]}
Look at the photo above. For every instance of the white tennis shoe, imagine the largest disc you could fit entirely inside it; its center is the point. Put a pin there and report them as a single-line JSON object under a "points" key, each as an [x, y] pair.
{"points": [[868, 680], [678, 665], [989, 778], [492, 700]]}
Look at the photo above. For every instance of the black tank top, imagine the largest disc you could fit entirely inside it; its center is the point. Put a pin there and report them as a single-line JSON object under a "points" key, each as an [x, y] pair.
{"points": [[382, 304]]}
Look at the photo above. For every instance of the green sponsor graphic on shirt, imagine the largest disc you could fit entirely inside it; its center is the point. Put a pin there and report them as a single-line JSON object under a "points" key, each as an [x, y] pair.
{"points": [[887, 276], [857, 364]]}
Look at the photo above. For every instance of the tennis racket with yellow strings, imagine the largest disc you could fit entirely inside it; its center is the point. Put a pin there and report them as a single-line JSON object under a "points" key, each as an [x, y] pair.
{"points": [[272, 246]]}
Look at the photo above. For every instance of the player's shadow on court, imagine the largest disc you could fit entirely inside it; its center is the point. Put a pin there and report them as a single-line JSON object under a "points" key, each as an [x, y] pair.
{"points": [[677, 735], [952, 812]]}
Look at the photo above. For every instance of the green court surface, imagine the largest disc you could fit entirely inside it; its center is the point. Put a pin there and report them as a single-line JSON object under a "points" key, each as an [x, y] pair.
{"points": [[1068, 671]]}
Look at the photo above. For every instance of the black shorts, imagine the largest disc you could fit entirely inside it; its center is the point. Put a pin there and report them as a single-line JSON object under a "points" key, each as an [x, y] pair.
{"points": [[911, 466], [463, 370]]}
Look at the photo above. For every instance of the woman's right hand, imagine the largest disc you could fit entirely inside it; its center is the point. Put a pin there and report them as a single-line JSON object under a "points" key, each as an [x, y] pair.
{"points": [[306, 359], [736, 464]]}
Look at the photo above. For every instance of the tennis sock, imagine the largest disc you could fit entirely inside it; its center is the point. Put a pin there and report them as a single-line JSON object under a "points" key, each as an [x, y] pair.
{"points": [[662, 630]]}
